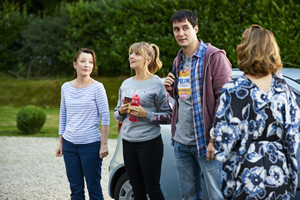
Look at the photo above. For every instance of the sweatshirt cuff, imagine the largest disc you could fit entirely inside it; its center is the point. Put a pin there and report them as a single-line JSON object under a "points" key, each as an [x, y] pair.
{"points": [[150, 115], [119, 117]]}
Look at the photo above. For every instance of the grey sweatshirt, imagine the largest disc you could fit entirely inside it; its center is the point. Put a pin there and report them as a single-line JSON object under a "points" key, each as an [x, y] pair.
{"points": [[154, 99]]}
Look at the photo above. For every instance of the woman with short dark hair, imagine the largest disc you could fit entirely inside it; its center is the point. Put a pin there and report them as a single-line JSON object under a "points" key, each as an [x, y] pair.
{"points": [[83, 101]]}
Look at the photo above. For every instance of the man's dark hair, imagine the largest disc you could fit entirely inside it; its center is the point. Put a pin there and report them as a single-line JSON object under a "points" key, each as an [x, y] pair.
{"points": [[181, 15]]}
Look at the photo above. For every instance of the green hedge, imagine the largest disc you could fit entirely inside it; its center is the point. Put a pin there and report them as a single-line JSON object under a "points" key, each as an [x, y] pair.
{"points": [[44, 46], [45, 92]]}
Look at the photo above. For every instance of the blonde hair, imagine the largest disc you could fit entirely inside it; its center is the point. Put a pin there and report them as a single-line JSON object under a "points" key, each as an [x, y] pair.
{"points": [[258, 53], [148, 50]]}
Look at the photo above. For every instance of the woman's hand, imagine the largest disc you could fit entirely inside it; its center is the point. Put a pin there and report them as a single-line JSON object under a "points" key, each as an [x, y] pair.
{"points": [[138, 111], [103, 150], [124, 107], [59, 148], [59, 151]]}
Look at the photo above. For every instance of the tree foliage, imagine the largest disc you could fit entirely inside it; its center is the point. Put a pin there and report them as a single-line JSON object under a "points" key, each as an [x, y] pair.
{"points": [[45, 45], [12, 22]]}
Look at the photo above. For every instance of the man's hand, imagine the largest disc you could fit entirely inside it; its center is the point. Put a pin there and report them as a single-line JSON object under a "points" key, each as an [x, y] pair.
{"points": [[169, 80], [210, 152]]}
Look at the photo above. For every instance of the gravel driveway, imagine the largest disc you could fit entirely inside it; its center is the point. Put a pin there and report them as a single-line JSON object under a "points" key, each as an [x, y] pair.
{"points": [[29, 170]]}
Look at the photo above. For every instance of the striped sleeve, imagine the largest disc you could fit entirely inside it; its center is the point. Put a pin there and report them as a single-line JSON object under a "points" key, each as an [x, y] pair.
{"points": [[63, 113], [102, 105]]}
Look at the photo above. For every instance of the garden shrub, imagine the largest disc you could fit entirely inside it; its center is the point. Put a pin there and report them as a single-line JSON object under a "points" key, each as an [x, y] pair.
{"points": [[30, 119]]}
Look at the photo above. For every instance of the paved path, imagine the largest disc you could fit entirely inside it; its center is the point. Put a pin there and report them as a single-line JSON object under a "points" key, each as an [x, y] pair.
{"points": [[29, 170]]}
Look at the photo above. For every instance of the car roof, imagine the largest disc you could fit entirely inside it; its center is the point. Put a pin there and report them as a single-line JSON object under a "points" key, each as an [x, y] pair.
{"points": [[236, 72], [292, 73]]}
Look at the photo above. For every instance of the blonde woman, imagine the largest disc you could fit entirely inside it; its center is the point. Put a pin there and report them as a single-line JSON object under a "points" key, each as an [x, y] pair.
{"points": [[142, 142]]}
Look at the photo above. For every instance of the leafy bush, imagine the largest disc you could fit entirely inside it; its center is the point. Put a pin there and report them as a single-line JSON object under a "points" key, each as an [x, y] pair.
{"points": [[30, 119]]}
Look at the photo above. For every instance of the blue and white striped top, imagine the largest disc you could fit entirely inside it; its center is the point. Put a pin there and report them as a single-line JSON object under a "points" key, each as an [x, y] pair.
{"points": [[80, 110]]}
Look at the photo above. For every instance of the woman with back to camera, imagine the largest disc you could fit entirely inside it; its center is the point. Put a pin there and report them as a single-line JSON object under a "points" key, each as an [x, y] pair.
{"points": [[257, 124], [81, 143], [142, 142]]}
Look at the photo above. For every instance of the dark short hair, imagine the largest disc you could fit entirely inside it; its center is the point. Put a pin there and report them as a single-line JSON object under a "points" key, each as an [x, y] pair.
{"points": [[89, 51], [181, 15]]}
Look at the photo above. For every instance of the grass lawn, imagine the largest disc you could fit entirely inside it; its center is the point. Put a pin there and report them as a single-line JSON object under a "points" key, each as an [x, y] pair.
{"points": [[8, 125]]}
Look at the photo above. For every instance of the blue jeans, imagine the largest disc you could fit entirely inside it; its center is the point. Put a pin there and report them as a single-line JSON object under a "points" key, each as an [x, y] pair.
{"points": [[190, 167], [83, 161]]}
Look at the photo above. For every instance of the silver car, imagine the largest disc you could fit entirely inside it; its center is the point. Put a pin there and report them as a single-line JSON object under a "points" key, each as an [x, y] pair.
{"points": [[119, 186]]}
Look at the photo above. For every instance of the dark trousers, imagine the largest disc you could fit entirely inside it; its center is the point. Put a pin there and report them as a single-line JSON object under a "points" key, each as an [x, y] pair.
{"points": [[83, 161], [143, 165]]}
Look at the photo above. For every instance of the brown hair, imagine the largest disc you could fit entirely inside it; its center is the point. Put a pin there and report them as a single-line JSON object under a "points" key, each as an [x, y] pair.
{"points": [[85, 50], [258, 53], [148, 50]]}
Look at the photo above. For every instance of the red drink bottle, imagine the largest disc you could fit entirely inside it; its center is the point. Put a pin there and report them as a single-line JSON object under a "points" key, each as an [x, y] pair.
{"points": [[134, 102]]}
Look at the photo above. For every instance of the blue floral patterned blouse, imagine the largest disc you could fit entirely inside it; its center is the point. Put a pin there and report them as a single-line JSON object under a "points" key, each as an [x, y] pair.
{"points": [[257, 136]]}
